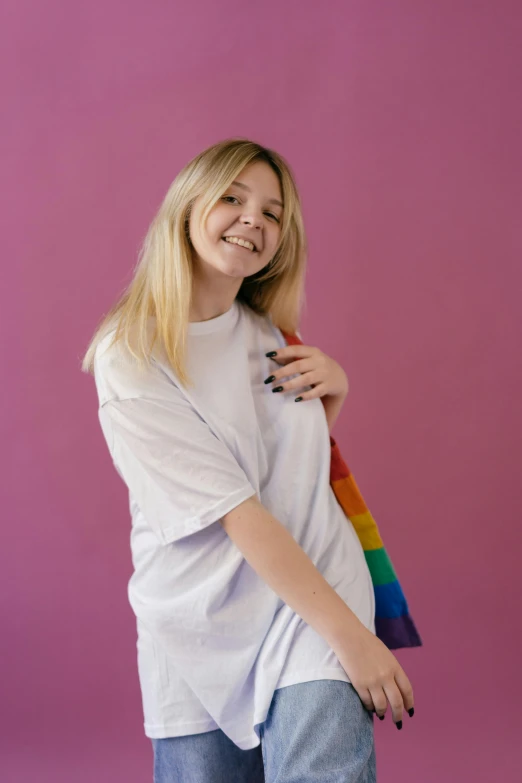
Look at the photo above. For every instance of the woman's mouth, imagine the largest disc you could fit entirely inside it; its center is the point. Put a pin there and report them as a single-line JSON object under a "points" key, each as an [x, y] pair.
{"points": [[236, 244]]}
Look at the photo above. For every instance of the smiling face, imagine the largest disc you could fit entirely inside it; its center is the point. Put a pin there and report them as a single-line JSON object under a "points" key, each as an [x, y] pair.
{"points": [[248, 209]]}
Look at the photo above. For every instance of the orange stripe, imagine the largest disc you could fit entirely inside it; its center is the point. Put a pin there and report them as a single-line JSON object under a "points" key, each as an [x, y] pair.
{"points": [[348, 495]]}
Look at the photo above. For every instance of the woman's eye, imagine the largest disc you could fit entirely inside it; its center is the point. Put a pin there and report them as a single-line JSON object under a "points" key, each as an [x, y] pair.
{"points": [[266, 213]]}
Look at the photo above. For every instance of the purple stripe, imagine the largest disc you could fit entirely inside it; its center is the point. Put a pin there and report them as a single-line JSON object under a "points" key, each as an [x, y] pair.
{"points": [[397, 632]]}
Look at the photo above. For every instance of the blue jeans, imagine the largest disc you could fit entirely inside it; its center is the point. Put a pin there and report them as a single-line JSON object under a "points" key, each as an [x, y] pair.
{"points": [[315, 732]]}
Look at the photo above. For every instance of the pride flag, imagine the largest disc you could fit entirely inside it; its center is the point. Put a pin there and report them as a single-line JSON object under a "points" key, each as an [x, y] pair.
{"points": [[393, 624]]}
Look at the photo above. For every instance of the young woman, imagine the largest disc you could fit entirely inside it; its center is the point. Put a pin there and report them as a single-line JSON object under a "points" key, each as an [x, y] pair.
{"points": [[257, 653]]}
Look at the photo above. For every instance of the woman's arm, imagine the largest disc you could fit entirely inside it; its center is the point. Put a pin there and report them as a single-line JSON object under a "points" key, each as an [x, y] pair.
{"points": [[278, 559], [276, 556], [332, 407]]}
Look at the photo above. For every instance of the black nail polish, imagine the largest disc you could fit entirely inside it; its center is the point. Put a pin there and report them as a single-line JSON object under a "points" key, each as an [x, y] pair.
{"points": [[270, 379], [399, 724], [271, 353], [278, 389], [298, 399], [381, 717], [411, 711]]}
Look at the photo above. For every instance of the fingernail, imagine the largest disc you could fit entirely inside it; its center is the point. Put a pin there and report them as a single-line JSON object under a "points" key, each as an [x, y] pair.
{"points": [[271, 353], [270, 379], [277, 388], [411, 711], [381, 717], [298, 399], [399, 724]]}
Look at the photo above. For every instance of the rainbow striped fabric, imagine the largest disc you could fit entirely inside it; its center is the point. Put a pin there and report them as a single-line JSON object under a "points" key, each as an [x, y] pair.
{"points": [[393, 624]]}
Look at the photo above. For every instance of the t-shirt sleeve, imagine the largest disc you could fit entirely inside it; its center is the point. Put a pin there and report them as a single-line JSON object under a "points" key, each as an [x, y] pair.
{"points": [[182, 476]]}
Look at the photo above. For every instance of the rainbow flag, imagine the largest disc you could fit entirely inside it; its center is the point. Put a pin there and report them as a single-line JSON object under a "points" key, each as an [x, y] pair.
{"points": [[393, 624]]}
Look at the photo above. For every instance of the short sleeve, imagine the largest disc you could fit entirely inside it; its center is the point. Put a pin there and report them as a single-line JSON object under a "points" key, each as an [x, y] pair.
{"points": [[182, 476]]}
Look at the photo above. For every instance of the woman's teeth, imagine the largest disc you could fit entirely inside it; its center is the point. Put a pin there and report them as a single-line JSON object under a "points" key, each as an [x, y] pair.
{"points": [[242, 242]]}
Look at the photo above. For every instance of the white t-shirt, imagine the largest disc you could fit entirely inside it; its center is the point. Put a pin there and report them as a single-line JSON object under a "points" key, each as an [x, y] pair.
{"points": [[214, 640]]}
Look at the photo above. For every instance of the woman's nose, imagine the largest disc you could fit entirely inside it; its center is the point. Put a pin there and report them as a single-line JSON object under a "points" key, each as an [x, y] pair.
{"points": [[251, 219]]}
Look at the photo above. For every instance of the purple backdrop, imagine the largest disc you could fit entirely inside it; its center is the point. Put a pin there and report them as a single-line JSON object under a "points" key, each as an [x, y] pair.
{"points": [[402, 121]]}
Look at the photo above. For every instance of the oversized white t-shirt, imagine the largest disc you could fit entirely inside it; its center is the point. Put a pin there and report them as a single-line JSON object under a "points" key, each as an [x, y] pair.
{"points": [[214, 640]]}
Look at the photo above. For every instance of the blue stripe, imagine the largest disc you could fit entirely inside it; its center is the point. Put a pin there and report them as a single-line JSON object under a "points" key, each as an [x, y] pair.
{"points": [[389, 600]]}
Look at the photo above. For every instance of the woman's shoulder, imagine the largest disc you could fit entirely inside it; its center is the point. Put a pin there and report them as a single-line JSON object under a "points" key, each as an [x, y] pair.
{"points": [[120, 374]]}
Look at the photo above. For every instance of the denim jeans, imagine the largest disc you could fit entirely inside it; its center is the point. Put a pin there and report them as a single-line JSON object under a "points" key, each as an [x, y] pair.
{"points": [[315, 732]]}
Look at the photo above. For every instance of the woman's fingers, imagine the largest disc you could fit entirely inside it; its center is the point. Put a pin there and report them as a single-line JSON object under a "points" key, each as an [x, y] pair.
{"points": [[405, 688], [378, 697], [394, 697], [366, 698], [398, 693]]}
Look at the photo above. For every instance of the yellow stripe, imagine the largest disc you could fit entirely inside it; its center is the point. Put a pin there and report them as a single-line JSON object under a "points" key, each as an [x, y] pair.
{"points": [[367, 530], [354, 506]]}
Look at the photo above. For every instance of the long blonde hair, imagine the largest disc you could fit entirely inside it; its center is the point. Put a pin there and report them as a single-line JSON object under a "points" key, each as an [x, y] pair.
{"points": [[162, 283]]}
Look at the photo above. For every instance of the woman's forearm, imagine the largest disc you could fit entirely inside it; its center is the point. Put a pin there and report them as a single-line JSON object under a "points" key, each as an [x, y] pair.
{"points": [[278, 559]]}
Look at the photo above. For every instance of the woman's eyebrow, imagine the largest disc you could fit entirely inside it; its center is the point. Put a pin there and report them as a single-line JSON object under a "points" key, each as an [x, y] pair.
{"points": [[245, 187]]}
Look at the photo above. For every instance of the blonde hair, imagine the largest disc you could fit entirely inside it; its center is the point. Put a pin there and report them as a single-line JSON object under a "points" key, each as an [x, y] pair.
{"points": [[162, 283]]}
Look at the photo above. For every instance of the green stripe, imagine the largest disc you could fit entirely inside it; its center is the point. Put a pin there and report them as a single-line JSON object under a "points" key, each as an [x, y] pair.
{"points": [[381, 569]]}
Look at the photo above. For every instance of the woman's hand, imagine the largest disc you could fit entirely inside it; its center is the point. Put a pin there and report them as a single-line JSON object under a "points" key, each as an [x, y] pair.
{"points": [[376, 674], [316, 369]]}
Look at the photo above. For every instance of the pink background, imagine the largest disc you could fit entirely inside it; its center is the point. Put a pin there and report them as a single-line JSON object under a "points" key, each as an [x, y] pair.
{"points": [[402, 122]]}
